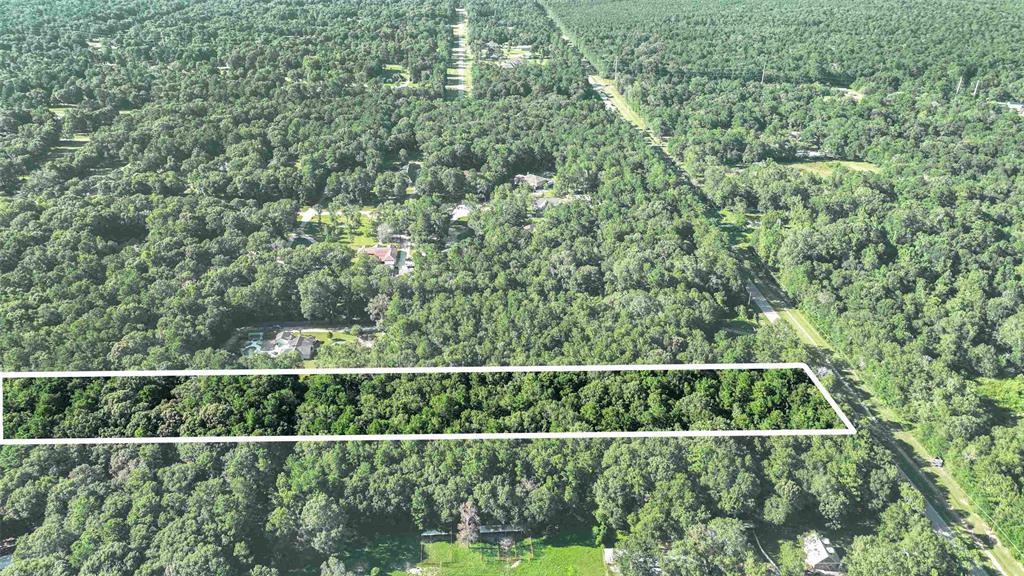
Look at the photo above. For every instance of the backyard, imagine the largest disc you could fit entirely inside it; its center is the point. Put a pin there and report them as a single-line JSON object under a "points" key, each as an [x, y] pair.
{"points": [[326, 225], [571, 554]]}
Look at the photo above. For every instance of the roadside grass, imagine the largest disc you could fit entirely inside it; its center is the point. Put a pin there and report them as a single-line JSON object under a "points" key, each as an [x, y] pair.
{"points": [[620, 102], [825, 168], [940, 483]]}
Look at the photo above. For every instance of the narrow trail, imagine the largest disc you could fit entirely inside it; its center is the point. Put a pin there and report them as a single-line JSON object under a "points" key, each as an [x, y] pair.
{"points": [[765, 293]]}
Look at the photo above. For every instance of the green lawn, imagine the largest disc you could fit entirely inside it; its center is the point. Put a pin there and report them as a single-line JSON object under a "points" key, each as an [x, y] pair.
{"points": [[401, 70], [554, 559], [827, 167], [60, 111], [330, 336], [329, 226]]}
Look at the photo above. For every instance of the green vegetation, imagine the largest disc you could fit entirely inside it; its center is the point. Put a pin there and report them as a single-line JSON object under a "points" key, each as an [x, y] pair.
{"points": [[153, 239], [825, 168], [252, 508], [911, 268], [415, 403], [351, 226], [540, 559], [1007, 392]]}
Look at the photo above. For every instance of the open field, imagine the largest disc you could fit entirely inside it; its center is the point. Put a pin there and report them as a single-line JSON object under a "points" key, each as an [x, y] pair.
{"points": [[828, 167], [549, 558]]}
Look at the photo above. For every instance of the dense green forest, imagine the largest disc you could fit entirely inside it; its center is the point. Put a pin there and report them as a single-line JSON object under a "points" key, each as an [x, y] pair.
{"points": [[413, 403], [914, 266], [156, 158], [273, 509], [206, 139]]}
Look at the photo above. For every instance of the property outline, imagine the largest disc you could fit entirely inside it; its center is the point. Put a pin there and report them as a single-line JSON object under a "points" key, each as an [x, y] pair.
{"points": [[847, 430]]}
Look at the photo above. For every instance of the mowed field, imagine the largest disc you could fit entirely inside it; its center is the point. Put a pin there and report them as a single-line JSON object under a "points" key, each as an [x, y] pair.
{"points": [[561, 559], [826, 168]]}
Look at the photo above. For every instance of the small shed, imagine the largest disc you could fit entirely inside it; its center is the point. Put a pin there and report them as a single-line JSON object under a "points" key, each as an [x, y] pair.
{"points": [[495, 532], [435, 536]]}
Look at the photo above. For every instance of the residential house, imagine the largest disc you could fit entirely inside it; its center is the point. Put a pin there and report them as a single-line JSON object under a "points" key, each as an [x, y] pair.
{"points": [[534, 181], [387, 255], [282, 342]]}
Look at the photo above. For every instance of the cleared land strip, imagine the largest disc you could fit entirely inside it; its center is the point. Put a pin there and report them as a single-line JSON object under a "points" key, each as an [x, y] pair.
{"points": [[459, 80], [887, 427]]}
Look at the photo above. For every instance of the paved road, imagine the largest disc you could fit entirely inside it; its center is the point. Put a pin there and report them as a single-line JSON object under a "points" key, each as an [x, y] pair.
{"points": [[907, 465], [939, 524], [762, 303]]}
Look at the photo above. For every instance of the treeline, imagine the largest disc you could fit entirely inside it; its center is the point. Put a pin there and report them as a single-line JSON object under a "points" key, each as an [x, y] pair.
{"points": [[287, 509], [413, 403], [881, 43]]}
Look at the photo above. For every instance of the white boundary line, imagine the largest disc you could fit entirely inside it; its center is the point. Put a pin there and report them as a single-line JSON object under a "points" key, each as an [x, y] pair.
{"points": [[846, 431]]}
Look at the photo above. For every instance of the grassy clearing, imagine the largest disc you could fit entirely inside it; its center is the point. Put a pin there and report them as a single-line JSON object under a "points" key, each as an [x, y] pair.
{"points": [[738, 226], [61, 111], [338, 232], [1006, 392], [548, 559], [738, 326], [328, 226], [397, 75], [399, 69], [331, 336], [826, 168]]}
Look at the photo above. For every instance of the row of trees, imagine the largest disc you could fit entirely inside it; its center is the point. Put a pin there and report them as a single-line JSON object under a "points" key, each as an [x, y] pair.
{"points": [[414, 403]]}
